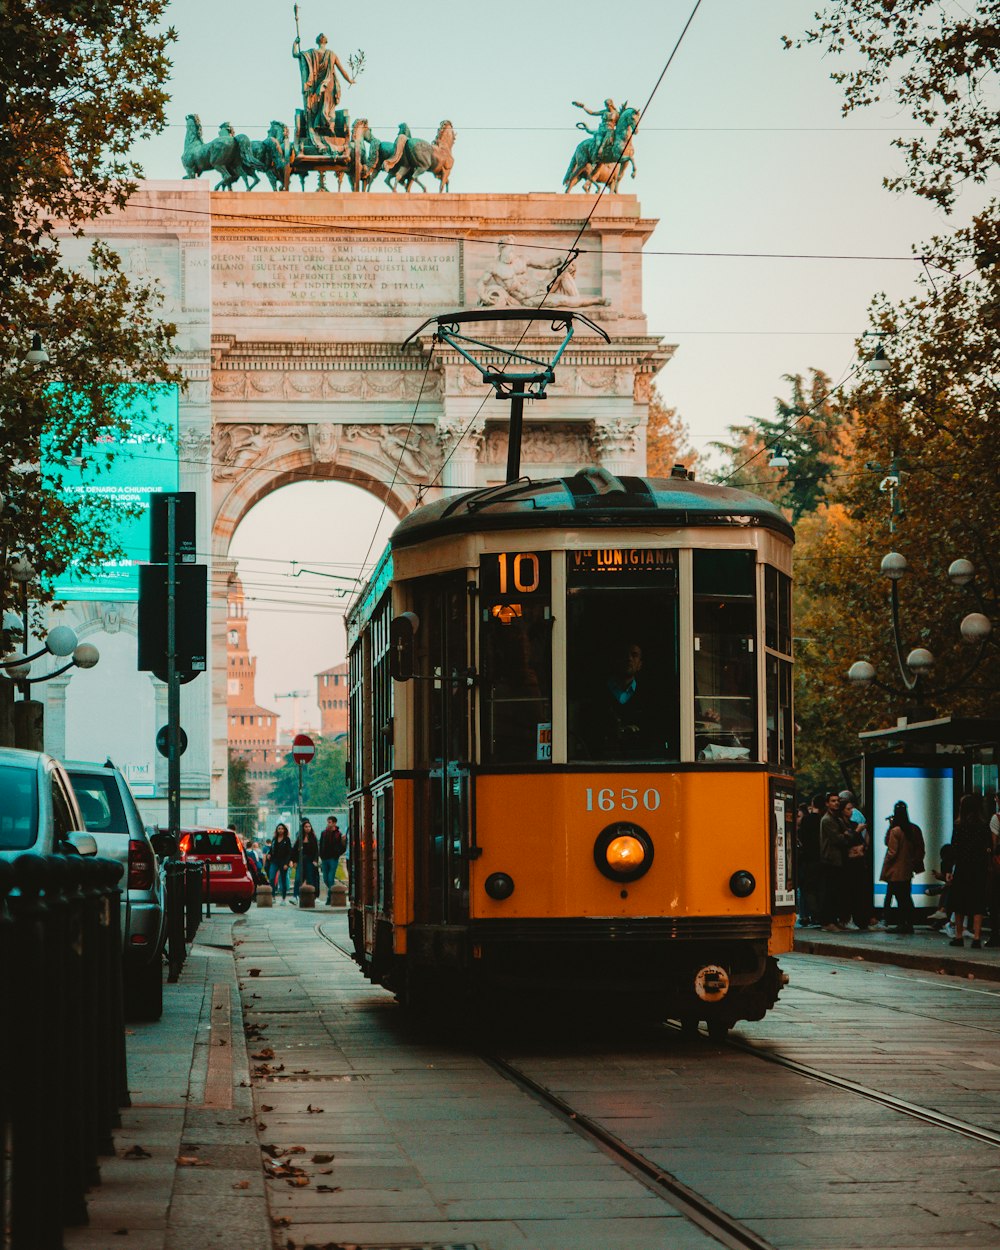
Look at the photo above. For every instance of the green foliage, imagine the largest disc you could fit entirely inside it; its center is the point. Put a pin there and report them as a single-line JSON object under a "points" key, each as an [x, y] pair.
{"points": [[80, 84], [323, 778], [240, 792], [934, 411], [809, 427], [939, 63]]}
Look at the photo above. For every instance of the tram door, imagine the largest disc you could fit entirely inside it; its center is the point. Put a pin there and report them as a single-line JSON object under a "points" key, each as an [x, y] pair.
{"points": [[442, 751]]}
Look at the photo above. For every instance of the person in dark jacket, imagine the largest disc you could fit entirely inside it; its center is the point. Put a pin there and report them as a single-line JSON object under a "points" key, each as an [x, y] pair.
{"points": [[277, 860], [834, 840], [332, 844], [305, 852], [809, 865], [972, 845]]}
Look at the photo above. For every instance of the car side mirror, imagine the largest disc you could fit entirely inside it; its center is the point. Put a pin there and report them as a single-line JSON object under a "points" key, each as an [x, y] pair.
{"points": [[81, 842], [164, 844]]}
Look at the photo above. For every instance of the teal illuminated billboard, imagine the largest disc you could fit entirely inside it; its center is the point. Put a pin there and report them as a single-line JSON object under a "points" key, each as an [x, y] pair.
{"points": [[143, 461]]}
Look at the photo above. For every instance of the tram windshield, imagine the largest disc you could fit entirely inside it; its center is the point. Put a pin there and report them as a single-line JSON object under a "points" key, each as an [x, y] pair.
{"points": [[622, 655]]}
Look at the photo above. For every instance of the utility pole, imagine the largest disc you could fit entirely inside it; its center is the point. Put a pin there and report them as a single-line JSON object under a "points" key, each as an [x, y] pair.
{"points": [[173, 679]]}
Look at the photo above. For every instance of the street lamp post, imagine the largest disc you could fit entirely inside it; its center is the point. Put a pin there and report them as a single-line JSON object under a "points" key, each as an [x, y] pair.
{"points": [[915, 667]]}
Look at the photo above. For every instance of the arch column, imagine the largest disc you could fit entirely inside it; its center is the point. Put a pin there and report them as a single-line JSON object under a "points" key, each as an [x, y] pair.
{"points": [[460, 453], [620, 447]]}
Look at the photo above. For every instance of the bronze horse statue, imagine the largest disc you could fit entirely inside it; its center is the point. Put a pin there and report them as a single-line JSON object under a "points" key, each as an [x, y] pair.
{"points": [[222, 154], [267, 156], [607, 166], [408, 158]]}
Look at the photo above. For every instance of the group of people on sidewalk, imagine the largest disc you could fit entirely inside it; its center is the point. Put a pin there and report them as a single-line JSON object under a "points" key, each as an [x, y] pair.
{"points": [[835, 869], [308, 857]]}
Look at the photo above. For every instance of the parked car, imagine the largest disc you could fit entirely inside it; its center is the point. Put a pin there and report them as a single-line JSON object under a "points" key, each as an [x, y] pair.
{"points": [[38, 807], [230, 879], [110, 814]]}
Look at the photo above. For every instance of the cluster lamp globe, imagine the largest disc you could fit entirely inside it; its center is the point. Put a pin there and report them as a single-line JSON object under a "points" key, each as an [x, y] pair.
{"points": [[86, 655], [894, 566], [920, 660], [861, 673], [976, 627], [61, 641], [12, 621], [16, 666], [961, 572]]}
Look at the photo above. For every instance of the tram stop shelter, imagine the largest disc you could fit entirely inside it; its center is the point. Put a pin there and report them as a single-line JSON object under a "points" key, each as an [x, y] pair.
{"points": [[929, 764]]}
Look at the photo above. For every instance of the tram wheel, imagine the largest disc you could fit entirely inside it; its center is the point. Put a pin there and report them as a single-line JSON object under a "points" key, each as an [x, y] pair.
{"points": [[689, 1027], [718, 1030]]}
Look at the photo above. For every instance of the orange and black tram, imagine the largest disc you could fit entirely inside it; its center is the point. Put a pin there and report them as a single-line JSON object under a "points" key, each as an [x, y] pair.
{"points": [[571, 748]]}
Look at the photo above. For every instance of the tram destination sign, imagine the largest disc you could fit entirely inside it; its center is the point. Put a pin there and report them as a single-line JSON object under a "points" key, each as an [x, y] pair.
{"points": [[514, 576], [622, 566]]}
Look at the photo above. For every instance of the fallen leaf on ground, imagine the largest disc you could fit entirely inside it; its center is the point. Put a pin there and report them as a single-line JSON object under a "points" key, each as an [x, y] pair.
{"points": [[189, 1161], [254, 972], [328, 1189], [242, 1185], [265, 1107], [301, 1071], [266, 1053], [281, 1221], [136, 1152], [298, 1181], [314, 1110], [295, 1150], [322, 1158]]}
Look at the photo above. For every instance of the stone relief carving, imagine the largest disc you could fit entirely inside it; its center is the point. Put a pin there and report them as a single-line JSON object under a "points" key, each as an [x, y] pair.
{"points": [[451, 431], [642, 388], [616, 438], [325, 439], [239, 448], [540, 446], [294, 385], [513, 280], [410, 447], [194, 446]]}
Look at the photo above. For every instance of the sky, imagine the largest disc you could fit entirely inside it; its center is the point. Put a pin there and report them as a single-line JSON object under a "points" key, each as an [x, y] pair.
{"points": [[742, 149]]}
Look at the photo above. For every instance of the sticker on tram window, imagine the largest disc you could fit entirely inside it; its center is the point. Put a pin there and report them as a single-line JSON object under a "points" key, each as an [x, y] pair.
{"points": [[622, 566], [543, 750], [627, 799], [506, 575]]}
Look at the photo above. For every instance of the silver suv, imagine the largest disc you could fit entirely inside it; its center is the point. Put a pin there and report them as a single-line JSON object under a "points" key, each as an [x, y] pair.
{"points": [[110, 814]]}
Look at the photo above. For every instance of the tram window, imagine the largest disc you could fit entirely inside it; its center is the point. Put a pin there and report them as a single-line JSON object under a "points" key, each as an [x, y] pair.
{"points": [[777, 610], [622, 674], [516, 658], [779, 712], [725, 664]]}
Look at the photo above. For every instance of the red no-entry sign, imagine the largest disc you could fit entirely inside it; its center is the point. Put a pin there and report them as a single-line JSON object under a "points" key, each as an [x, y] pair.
{"points": [[303, 748]]}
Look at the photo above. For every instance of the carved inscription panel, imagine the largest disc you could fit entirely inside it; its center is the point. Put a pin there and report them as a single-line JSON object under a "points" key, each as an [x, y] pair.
{"points": [[328, 276]]}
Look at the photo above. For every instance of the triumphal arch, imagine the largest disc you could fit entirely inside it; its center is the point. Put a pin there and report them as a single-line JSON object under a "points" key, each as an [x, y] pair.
{"points": [[291, 309]]}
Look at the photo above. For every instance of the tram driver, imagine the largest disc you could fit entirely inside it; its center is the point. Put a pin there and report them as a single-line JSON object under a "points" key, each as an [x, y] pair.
{"points": [[622, 717]]}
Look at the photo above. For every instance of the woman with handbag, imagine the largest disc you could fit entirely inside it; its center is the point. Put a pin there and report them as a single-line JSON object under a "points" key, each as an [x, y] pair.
{"points": [[904, 857]]}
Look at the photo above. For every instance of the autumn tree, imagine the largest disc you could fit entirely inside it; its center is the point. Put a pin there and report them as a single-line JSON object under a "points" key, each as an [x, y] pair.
{"points": [[79, 85], [932, 414], [666, 440]]}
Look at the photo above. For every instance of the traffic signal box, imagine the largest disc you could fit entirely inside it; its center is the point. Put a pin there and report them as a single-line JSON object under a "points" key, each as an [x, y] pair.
{"points": [[191, 580]]}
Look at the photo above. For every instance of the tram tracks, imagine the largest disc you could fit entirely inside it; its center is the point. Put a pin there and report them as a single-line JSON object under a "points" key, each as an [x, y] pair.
{"points": [[694, 1206]]}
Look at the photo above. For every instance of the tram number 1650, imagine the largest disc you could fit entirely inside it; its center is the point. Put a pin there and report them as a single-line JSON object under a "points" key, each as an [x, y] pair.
{"points": [[628, 799]]}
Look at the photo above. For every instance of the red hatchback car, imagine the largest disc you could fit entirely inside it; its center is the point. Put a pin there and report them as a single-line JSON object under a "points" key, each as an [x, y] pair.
{"points": [[229, 877]]}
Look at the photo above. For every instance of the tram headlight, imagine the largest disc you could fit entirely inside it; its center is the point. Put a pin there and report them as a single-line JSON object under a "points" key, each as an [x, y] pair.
{"points": [[623, 852], [499, 885], [742, 883]]}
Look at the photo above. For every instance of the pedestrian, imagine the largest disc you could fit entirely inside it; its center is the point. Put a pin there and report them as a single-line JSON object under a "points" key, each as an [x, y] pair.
{"points": [[809, 865], [834, 840], [904, 858], [994, 883], [972, 845], [278, 859], [305, 852], [332, 844], [858, 865]]}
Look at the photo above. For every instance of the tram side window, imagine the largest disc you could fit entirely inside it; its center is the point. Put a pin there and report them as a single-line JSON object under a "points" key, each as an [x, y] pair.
{"points": [[725, 663], [381, 685], [516, 658], [622, 655], [778, 638], [357, 719]]}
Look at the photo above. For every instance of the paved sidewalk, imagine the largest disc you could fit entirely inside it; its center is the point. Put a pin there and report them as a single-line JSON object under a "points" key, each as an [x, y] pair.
{"points": [[388, 1151], [186, 1173], [926, 948]]}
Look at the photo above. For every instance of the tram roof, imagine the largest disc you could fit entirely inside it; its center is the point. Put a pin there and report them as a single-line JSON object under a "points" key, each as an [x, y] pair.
{"points": [[590, 497]]}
